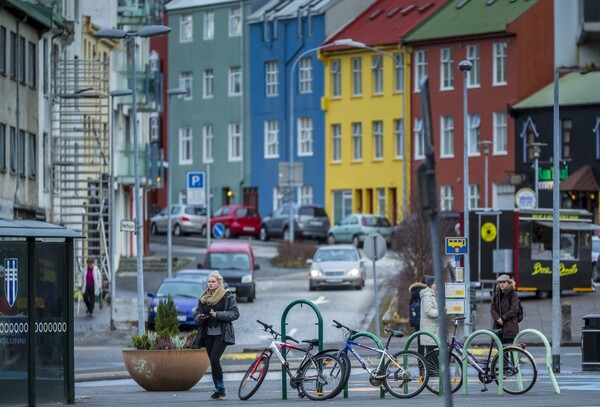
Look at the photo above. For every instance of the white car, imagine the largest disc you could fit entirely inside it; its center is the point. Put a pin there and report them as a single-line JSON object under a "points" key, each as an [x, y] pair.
{"points": [[338, 265], [185, 219]]}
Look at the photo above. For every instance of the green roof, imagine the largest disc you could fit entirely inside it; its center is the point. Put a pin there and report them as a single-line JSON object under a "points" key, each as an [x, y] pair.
{"points": [[474, 17], [42, 15], [574, 89]]}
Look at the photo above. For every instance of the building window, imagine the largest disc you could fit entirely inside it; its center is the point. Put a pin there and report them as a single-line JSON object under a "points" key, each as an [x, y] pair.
{"points": [[235, 22], [3, 50], [208, 136], [209, 25], [185, 146], [378, 140], [566, 138], [2, 147], [474, 196], [235, 141], [32, 72], [32, 155], [305, 136], [185, 82], [21, 153], [208, 79], [22, 60], [446, 198], [46, 168], [500, 137], [306, 195], [336, 78], [446, 69], [271, 79], [305, 75], [419, 136], [420, 68], [336, 143], [13, 149], [271, 139], [377, 70], [381, 201], [447, 132], [235, 81], [399, 72], [499, 63], [356, 76], [473, 74], [357, 141], [13, 55], [399, 137], [187, 28], [474, 134], [45, 70]]}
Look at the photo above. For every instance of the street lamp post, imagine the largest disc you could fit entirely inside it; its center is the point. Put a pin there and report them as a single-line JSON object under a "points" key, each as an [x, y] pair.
{"points": [[170, 92], [113, 221], [146, 32], [466, 66], [537, 150], [487, 144]]}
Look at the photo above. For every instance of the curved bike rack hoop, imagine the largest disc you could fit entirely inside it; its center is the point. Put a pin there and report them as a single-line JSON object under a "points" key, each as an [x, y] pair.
{"points": [[283, 336], [465, 362], [375, 339], [419, 333], [548, 353]]}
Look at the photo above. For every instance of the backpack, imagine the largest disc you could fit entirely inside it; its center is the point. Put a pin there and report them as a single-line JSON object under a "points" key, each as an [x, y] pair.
{"points": [[520, 313], [414, 312]]}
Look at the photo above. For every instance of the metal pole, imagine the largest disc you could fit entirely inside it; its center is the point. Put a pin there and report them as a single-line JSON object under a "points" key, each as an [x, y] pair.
{"points": [[208, 206], [111, 250], [556, 309], [486, 180], [535, 182], [406, 169]]}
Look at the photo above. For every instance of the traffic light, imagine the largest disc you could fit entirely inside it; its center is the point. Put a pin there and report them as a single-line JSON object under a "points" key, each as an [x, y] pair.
{"points": [[229, 193]]}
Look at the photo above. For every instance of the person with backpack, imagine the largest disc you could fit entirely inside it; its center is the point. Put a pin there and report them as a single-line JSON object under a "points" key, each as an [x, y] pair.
{"points": [[429, 313], [505, 309], [414, 309]]}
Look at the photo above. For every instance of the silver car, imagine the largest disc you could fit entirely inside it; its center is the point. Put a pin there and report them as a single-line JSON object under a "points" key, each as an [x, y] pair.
{"points": [[355, 228], [185, 219], [339, 265]]}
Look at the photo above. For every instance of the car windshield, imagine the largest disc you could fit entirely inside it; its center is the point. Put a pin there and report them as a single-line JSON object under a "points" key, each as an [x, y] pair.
{"points": [[192, 275], [180, 289], [377, 221], [232, 261], [335, 255], [596, 245]]}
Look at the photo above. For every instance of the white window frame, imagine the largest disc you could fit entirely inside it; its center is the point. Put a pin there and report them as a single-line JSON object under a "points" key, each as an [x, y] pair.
{"points": [[306, 195], [356, 141], [474, 75], [336, 143], [208, 80], [499, 73], [235, 81], [356, 76], [154, 127], [474, 196], [271, 79], [186, 81], [420, 68], [234, 137], [185, 145], [474, 135], [399, 139], [446, 69], [399, 72], [447, 137], [271, 130], [500, 133], [377, 140], [208, 137], [419, 137], [305, 77], [305, 136], [235, 21], [446, 198], [377, 74], [336, 78], [186, 27], [208, 31], [381, 201]]}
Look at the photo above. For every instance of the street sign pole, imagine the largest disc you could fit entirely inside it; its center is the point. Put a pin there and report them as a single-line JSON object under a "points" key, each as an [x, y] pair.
{"points": [[375, 248]]}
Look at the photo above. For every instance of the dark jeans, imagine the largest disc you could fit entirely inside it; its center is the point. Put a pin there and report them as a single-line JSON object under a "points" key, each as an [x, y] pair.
{"points": [[89, 298], [215, 348]]}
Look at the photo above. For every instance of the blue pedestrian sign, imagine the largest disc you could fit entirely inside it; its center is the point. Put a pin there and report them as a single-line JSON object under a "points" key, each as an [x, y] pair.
{"points": [[218, 230], [196, 188]]}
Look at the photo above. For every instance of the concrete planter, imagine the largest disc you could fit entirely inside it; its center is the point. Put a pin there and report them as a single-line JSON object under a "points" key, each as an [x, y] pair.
{"points": [[166, 370]]}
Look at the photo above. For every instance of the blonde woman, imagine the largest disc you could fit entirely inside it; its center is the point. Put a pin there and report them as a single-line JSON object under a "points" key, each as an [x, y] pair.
{"points": [[216, 310]]}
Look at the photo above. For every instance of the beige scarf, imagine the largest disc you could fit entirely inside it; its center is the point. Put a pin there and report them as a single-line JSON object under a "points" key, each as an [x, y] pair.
{"points": [[212, 297]]}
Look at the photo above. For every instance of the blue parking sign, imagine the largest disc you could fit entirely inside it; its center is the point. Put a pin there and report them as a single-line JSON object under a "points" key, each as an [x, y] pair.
{"points": [[196, 188]]}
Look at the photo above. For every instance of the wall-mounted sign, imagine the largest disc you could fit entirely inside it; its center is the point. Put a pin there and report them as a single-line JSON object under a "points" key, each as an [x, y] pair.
{"points": [[525, 198], [455, 290], [455, 306]]}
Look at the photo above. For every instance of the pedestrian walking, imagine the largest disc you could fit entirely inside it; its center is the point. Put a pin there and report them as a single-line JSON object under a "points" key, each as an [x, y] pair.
{"points": [[90, 285], [216, 310], [505, 308], [429, 314]]}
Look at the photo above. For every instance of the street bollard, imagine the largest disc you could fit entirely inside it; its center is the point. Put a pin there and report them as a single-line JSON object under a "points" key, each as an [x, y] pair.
{"points": [[566, 322]]}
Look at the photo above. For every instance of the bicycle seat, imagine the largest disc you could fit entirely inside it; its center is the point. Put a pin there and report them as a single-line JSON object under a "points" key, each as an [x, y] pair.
{"points": [[313, 342], [394, 333]]}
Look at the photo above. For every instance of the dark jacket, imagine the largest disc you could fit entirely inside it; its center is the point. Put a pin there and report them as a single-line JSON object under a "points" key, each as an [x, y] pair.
{"points": [[506, 306], [227, 311], [415, 293]]}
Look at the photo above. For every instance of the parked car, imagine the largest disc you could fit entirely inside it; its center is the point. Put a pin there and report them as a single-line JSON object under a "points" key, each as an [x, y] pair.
{"points": [[236, 219], [355, 228], [185, 219], [335, 266], [236, 263], [185, 293], [310, 222], [198, 274]]}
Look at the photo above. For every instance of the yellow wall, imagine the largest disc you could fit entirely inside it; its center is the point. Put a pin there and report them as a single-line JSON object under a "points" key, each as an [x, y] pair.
{"points": [[366, 176]]}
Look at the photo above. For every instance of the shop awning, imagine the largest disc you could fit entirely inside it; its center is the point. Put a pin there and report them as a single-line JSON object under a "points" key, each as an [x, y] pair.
{"points": [[585, 226], [581, 180]]}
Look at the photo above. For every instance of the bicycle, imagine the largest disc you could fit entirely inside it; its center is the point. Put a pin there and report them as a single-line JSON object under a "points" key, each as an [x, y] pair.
{"points": [[317, 376], [520, 370], [403, 374]]}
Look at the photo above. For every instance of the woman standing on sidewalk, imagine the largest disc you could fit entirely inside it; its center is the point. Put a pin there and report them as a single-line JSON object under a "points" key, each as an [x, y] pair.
{"points": [[504, 308], [216, 310]]}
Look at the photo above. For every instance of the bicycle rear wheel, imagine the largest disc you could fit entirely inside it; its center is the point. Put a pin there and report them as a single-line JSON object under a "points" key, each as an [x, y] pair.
{"points": [[520, 370], [322, 377], [254, 377], [454, 367], [406, 374]]}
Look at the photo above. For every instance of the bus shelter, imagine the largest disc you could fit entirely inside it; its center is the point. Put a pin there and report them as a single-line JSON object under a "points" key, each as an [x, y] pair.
{"points": [[36, 313]]}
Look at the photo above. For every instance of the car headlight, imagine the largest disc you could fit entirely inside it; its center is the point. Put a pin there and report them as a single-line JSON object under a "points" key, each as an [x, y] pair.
{"points": [[154, 309], [353, 272], [315, 273], [247, 279]]}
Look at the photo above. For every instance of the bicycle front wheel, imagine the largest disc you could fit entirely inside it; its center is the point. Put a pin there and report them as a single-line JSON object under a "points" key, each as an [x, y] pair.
{"points": [[406, 374], [254, 377], [322, 377], [520, 371], [454, 367]]}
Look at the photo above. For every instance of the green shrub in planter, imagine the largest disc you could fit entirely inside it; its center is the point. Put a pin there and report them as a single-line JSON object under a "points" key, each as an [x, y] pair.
{"points": [[167, 324]]}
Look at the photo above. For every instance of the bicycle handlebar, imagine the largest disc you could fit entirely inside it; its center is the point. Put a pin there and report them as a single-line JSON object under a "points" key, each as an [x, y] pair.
{"points": [[339, 325], [269, 328]]}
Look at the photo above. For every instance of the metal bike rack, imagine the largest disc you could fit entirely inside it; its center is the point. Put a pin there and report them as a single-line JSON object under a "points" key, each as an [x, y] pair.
{"points": [[283, 336], [465, 362], [548, 354], [433, 336]]}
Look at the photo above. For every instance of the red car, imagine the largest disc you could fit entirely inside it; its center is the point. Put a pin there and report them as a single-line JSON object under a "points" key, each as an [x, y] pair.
{"points": [[236, 220]]}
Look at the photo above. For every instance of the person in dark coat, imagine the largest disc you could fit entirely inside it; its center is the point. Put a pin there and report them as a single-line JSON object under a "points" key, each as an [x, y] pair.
{"points": [[216, 310], [415, 293], [504, 309]]}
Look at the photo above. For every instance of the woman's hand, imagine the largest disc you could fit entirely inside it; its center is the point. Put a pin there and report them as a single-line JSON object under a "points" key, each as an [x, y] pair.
{"points": [[213, 313], [500, 321]]}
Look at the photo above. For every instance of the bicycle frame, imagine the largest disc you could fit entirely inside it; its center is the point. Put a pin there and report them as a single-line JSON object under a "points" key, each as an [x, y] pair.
{"points": [[275, 347], [348, 347], [482, 366]]}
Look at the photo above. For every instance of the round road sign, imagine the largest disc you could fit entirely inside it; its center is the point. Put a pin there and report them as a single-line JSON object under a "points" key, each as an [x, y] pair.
{"points": [[375, 247], [218, 230]]}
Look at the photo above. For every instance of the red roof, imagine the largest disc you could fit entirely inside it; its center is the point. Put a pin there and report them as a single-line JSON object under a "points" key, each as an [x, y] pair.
{"points": [[386, 21]]}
